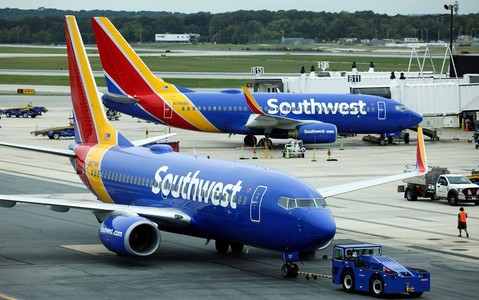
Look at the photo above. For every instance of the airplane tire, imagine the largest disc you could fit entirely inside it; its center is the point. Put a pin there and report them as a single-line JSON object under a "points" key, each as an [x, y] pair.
{"points": [[266, 143], [406, 138], [237, 247], [222, 246], [289, 270], [250, 140], [294, 271], [285, 271]]}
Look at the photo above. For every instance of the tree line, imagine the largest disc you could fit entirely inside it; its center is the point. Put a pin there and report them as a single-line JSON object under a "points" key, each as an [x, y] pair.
{"points": [[45, 26]]}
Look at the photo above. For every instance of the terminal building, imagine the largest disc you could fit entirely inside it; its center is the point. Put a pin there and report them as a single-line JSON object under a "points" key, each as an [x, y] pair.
{"points": [[172, 38], [443, 99]]}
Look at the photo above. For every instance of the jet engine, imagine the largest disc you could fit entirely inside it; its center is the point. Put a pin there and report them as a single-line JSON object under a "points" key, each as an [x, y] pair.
{"points": [[315, 133], [130, 235]]}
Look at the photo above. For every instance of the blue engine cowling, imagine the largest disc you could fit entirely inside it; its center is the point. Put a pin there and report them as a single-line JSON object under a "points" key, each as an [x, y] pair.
{"points": [[317, 133], [130, 235]]}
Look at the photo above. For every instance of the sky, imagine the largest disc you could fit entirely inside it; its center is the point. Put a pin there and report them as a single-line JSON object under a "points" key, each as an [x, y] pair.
{"points": [[390, 7]]}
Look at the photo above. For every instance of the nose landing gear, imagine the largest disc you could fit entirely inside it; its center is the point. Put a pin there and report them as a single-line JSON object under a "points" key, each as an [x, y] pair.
{"points": [[289, 270]]}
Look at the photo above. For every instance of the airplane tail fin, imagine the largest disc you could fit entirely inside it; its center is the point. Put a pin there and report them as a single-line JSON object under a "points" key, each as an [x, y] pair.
{"points": [[92, 126], [421, 168], [421, 160], [125, 72]]}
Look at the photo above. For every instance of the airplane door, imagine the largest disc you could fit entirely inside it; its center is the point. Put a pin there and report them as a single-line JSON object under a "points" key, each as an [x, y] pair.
{"points": [[381, 110], [167, 111], [255, 207]]}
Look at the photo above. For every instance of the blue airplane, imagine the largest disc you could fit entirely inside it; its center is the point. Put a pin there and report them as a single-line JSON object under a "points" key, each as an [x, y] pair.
{"points": [[314, 118], [143, 191]]}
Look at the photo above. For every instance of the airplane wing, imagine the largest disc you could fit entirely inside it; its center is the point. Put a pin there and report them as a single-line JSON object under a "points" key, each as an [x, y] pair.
{"points": [[61, 152], [120, 99], [267, 121], [152, 139], [71, 153], [167, 215], [258, 119], [421, 168]]}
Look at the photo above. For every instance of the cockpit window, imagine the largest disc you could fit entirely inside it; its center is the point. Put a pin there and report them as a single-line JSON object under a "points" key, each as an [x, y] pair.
{"points": [[400, 108], [290, 203]]}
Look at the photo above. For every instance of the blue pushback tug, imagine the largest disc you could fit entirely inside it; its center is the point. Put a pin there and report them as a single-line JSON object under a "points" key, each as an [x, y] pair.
{"points": [[362, 267]]}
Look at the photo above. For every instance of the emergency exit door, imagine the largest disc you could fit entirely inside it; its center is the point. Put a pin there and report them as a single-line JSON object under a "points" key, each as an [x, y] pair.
{"points": [[255, 208]]}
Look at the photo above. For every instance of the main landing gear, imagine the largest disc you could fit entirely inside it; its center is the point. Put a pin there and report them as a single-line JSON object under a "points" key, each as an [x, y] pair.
{"points": [[290, 269], [250, 140], [222, 246]]}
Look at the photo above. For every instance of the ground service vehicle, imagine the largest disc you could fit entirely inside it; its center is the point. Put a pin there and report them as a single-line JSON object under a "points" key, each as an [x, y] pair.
{"points": [[25, 111], [56, 132], [438, 183], [112, 114], [362, 267], [294, 149]]}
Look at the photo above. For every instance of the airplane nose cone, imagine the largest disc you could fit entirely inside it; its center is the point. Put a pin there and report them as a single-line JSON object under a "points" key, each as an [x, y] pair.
{"points": [[415, 118], [320, 227]]}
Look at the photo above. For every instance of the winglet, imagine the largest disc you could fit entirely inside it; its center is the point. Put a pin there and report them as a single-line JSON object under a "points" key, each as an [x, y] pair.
{"points": [[421, 161], [252, 104]]}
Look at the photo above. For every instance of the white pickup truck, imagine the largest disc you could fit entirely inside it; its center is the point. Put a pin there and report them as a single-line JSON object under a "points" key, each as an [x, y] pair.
{"points": [[438, 183]]}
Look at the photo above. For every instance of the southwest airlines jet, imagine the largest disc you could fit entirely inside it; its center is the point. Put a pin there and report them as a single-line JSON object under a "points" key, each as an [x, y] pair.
{"points": [[143, 191], [314, 118]]}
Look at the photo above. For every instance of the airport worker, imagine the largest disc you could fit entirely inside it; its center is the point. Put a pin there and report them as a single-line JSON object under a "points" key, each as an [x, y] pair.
{"points": [[462, 221]]}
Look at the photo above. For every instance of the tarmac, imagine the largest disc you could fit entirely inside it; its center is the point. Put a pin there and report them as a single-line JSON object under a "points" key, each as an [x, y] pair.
{"points": [[51, 255]]}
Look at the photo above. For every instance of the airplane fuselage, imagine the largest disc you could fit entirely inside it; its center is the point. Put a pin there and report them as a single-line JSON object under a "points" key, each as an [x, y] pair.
{"points": [[228, 112], [226, 200]]}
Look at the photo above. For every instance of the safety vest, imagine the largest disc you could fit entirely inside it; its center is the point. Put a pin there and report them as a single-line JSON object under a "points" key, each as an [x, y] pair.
{"points": [[462, 216]]}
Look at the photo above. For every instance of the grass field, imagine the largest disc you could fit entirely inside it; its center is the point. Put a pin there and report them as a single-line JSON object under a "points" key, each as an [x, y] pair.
{"points": [[288, 62], [65, 80]]}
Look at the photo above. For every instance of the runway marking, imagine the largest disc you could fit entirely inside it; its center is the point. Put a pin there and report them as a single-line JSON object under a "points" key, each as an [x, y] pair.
{"points": [[473, 257], [78, 185], [3, 296], [92, 249]]}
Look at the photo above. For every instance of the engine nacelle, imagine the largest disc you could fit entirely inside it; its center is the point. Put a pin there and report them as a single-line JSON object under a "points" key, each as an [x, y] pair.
{"points": [[317, 133], [130, 235]]}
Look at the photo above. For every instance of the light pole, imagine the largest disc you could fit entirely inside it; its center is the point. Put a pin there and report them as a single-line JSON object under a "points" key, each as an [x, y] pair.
{"points": [[451, 8]]}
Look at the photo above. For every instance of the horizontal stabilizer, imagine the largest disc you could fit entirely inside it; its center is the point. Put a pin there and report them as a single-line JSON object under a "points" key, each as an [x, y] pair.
{"points": [[121, 99], [61, 152], [153, 139]]}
